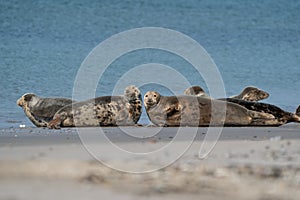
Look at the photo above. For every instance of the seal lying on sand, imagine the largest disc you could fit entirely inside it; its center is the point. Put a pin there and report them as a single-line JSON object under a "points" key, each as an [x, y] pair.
{"points": [[280, 115], [198, 111], [251, 94], [248, 94], [41, 110], [196, 91], [101, 111]]}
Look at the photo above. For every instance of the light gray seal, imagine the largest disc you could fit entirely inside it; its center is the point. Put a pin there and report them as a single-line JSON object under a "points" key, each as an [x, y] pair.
{"points": [[101, 111], [41, 110], [198, 111]]}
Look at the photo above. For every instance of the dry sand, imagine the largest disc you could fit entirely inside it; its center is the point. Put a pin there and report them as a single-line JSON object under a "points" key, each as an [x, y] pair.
{"points": [[246, 163]]}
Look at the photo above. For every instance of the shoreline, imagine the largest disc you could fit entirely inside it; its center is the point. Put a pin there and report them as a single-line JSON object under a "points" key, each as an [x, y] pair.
{"points": [[246, 163]]}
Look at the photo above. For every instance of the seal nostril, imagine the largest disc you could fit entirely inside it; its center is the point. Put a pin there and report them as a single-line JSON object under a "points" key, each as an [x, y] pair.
{"points": [[19, 103]]}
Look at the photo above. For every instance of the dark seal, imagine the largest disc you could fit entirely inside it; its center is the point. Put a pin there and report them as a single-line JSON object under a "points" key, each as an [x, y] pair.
{"points": [[101, 111], [41, 110], [198, 111]]}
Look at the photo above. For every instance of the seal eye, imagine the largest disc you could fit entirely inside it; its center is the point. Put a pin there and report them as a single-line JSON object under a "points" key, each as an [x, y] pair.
{"points": [[28, 97], [146, 95], [154, 95]]}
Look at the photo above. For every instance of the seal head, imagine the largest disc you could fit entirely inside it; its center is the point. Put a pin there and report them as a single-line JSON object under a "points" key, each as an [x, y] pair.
{"points": [[196, 91], [41, 110], [252, 94], [151, 98]]}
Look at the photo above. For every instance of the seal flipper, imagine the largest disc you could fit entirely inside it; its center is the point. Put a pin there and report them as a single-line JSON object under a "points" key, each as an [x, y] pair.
{"points": [[57, 120], [54, 124], [172, 110], [33, 119]]}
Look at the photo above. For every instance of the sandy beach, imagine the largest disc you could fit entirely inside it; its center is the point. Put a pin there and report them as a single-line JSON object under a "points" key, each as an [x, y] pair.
{"points": [[246, 163]]}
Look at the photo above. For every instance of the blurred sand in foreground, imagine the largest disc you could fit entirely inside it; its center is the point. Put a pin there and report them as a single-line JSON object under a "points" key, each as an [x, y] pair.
{"points": [[246, 163]]}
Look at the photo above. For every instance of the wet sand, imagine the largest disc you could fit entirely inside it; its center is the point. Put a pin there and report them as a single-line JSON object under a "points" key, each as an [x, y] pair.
{"points": [[246, 163]]}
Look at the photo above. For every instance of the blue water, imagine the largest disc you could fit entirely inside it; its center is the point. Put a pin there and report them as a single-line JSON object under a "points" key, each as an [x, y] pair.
{"points": [[43, 43]]}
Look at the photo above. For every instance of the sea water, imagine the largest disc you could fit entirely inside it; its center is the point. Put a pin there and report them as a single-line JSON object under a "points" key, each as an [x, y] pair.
{"points": [[43, 43]]}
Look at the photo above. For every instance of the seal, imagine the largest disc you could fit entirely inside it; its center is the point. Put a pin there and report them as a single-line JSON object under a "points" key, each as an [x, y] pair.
{"points": [[252, 94], [101, 111], [198, 111], [41, 110], [248, 93], [196, 91], [279, 114]]}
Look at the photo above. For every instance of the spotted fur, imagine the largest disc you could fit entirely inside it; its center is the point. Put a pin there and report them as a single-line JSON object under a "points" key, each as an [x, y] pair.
{"points": [[198, 111], [247, 100], [252, 94], [101, 111]]}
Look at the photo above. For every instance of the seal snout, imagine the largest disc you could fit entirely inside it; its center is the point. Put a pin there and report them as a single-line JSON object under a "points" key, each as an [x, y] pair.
{"points": [[150, 102], [20, 102]]}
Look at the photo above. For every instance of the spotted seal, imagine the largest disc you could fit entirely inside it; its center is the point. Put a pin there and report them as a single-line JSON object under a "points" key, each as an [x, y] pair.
{"points": [[198, 111], [196, 91], [248, 93], [41, 110], [280, 115], [101, 111], [252, 94]]}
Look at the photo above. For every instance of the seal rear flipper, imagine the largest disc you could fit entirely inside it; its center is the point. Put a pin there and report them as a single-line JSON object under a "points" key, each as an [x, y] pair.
{"points": [[260, 115], [54, 124]]}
